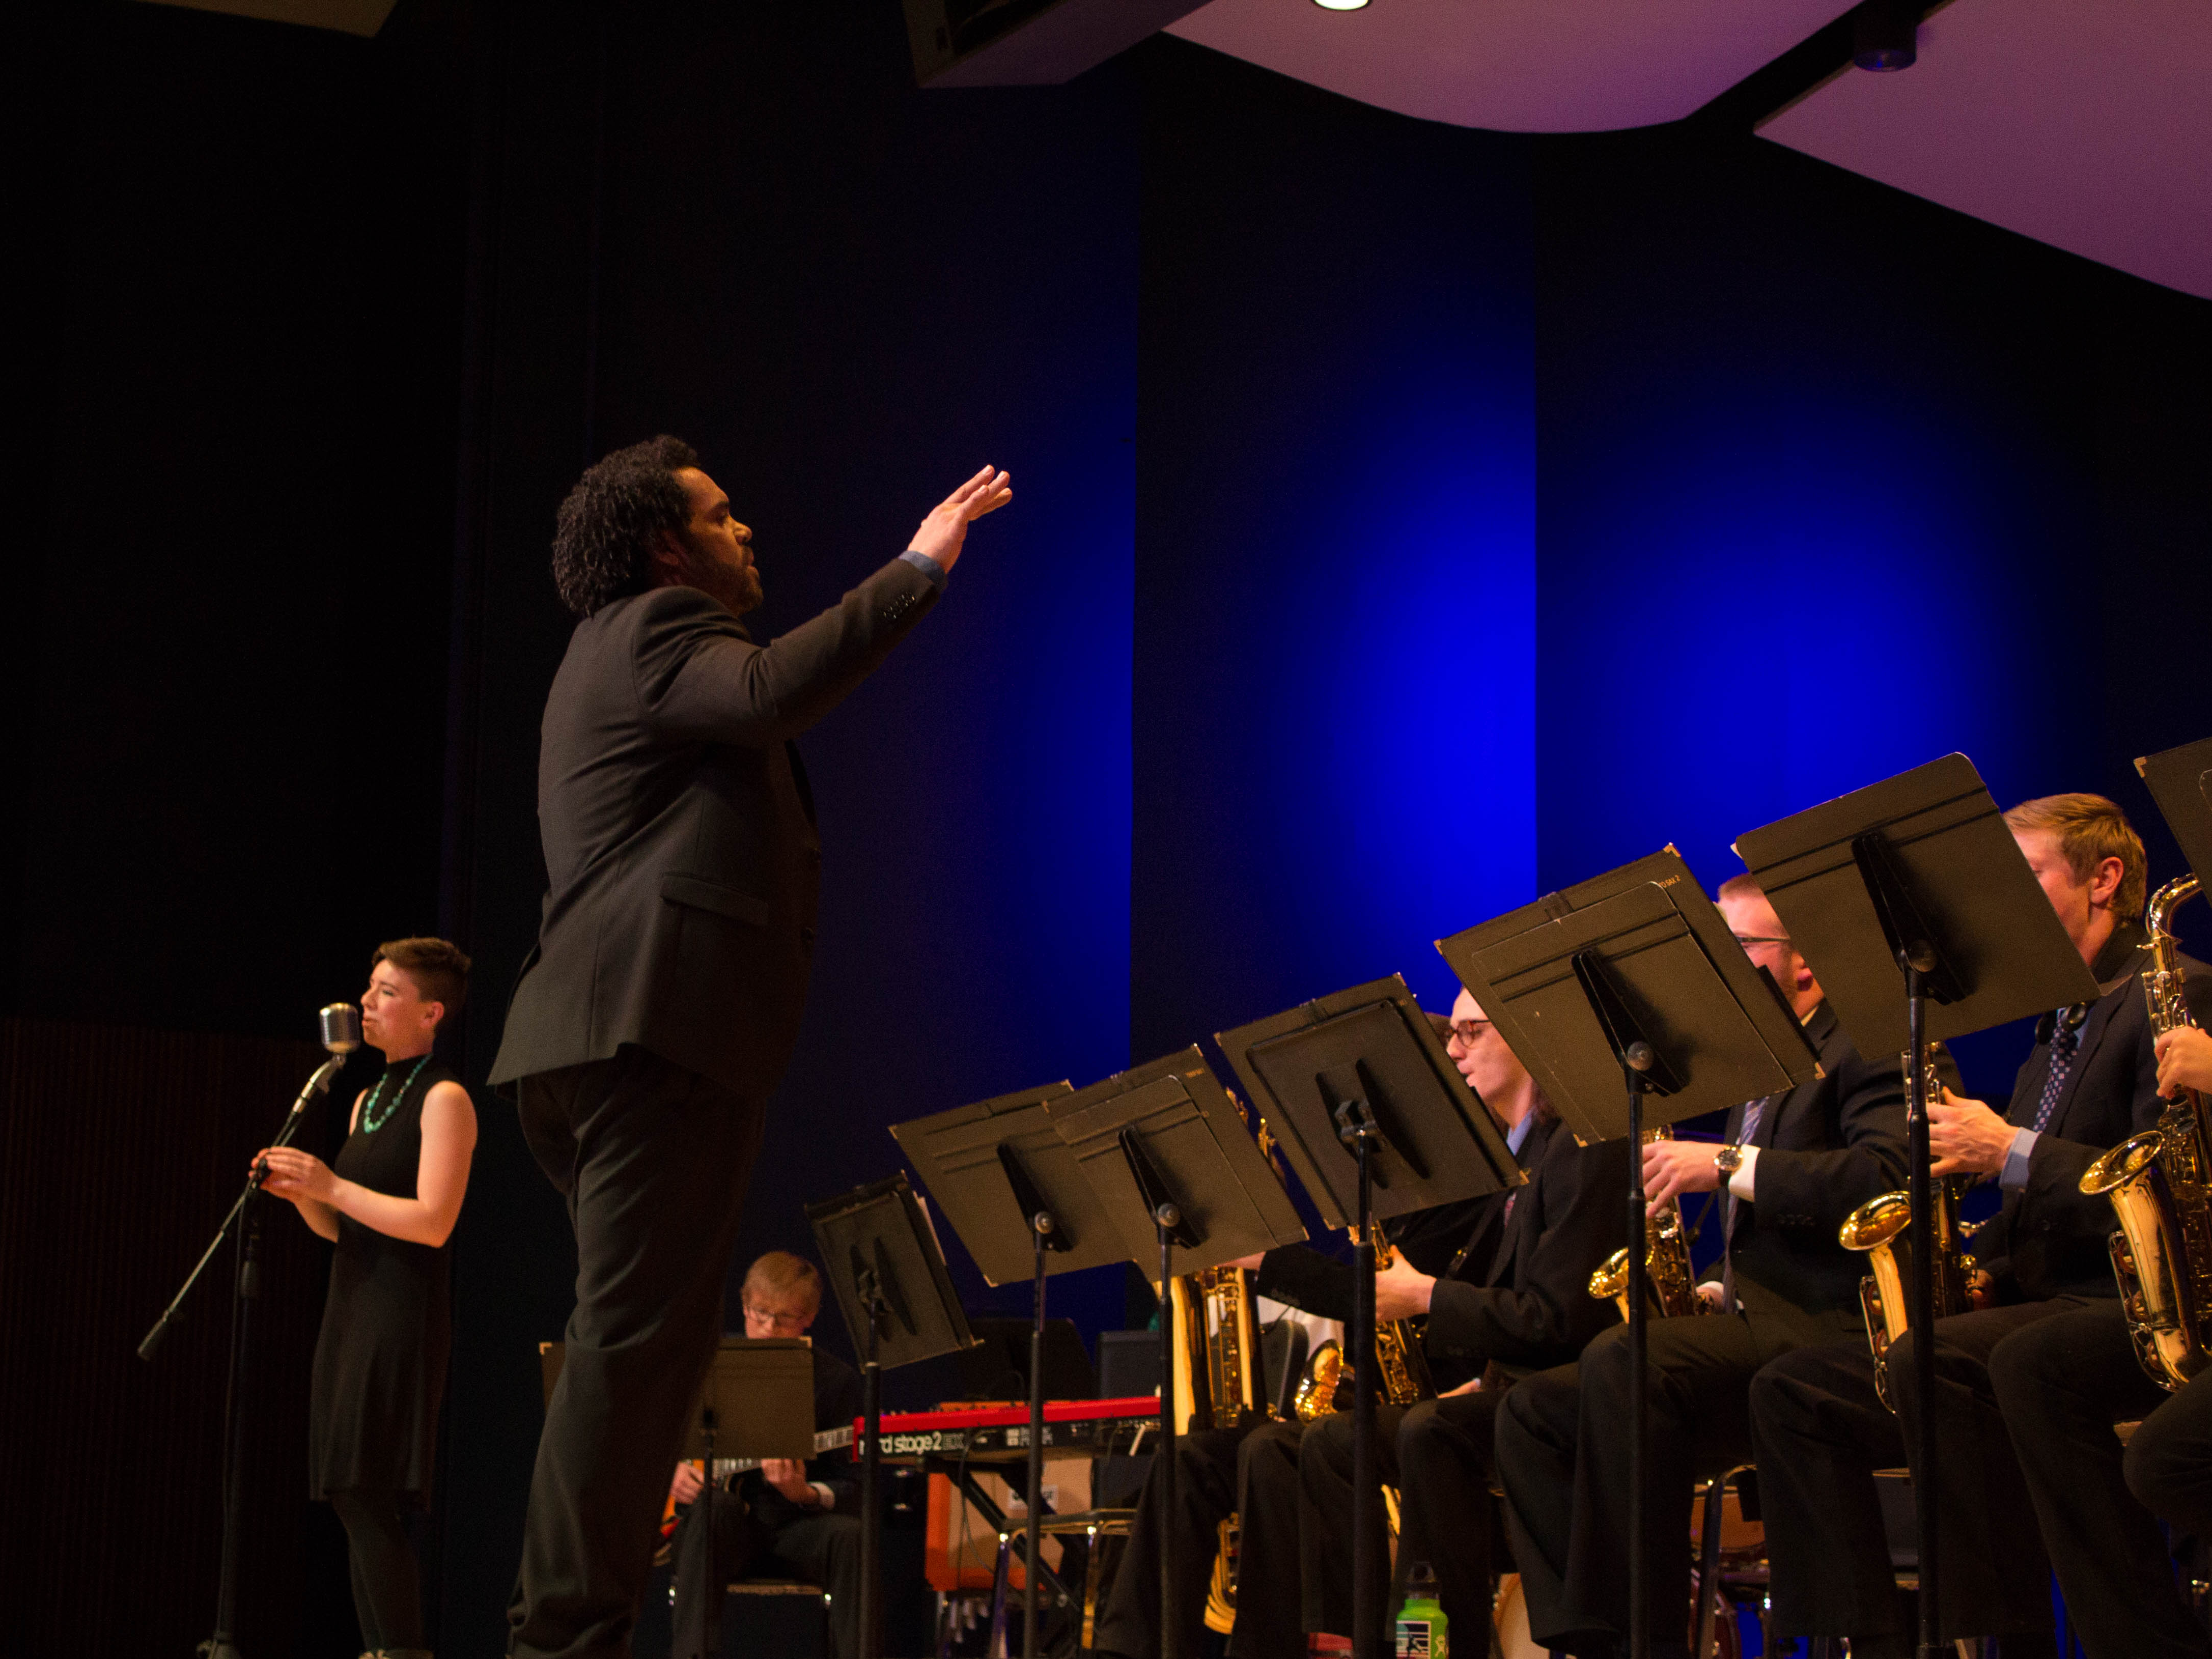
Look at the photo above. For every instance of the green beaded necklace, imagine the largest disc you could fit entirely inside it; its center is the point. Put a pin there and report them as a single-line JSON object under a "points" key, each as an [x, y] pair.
{"points": [[370, 1122]]}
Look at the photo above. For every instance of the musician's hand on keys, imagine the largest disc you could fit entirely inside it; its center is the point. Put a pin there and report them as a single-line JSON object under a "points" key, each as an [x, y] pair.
{"points": [[1672, 1168], [1965, 1137], [1401, 1290], [1982, 1288], [789, 1478], [1473, 1385], [2185, 1061], [1712, 1293], [1250, 1263], [687, 1484]]}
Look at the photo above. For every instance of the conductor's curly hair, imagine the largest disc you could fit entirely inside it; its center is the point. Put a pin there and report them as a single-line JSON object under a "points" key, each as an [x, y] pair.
{"points": [[603, 536]]}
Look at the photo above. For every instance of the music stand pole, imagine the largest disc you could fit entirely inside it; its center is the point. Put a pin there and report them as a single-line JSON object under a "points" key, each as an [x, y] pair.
{"points": [[1040, 1227], [1916, 958], [872, 1516], [1166, 1217], [1636, 1060], [1356, 1129]]}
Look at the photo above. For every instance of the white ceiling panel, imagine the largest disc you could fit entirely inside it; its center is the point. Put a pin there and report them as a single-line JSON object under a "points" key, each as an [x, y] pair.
{"points": [[2086, 126], [1517, 65]]}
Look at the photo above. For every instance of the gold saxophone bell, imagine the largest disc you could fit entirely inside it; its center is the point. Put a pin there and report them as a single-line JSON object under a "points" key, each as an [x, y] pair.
{"points": [[1669, 1281], [2157, 1181], [1877, 1228]]}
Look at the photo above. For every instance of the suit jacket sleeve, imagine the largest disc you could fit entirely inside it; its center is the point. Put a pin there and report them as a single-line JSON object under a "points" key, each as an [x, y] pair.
{"points": [[1818, 1189], [700, 679], [835, 1404], [1303, 1277], [1546, 1314]]}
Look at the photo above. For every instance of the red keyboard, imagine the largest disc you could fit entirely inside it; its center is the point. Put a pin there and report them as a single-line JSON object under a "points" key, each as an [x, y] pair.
{"points": [[995, 1433]]}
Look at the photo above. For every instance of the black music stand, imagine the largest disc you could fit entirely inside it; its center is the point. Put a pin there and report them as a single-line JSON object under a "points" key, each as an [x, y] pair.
{"points": [[1166, 1149], [1629, 995], [889, 1273], [1365, 1097], [2177, 779], [1917, 878], [1010, 1187]]}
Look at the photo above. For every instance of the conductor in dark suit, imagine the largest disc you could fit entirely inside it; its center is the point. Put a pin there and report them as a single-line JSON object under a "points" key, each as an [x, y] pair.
{"points": [[2090, 1081], [660, 1004], [1794, 1166]]}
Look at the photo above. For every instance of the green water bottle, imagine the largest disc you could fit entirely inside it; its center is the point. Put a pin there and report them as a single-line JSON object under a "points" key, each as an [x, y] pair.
{"points": [[1423, 1631]]}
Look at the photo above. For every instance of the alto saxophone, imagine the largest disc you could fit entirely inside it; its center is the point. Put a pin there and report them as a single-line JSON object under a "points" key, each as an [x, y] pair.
{"points": [[2162, 1251], [1877, 1228], [1669, 1279], [1402, 1367]]}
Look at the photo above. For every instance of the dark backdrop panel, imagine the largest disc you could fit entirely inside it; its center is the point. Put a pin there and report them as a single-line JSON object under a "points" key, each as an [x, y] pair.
{"points": [[120, 1151], [1333, 709], [747, 227], [237, 660], [1832, 481]]}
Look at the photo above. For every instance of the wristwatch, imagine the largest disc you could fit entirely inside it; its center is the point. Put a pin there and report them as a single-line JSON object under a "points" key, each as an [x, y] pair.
{"points": [[1727, 1159]]}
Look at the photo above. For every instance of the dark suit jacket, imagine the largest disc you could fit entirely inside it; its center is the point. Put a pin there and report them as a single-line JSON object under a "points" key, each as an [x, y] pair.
{"points": [[2048, 1238], [1530, 1306], [1826, 1148], [1315, 1282], [678, 832]]}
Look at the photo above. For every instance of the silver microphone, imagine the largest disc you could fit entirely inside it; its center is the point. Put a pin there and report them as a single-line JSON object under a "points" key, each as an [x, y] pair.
{"points": [[340, 1025]]}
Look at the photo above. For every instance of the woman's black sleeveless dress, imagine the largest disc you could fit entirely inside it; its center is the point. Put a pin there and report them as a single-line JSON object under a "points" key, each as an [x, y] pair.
{"points": [[388, 1323]]}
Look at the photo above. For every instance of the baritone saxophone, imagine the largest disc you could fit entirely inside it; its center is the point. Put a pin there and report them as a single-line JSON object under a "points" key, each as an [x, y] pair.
{"points": [[1878, 1227], [2162, 1251], [1669, 1279]]}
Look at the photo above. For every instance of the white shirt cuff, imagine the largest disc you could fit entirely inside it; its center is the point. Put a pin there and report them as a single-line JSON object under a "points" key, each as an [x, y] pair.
{"points": [[1739, 1183], [828, 1498]]}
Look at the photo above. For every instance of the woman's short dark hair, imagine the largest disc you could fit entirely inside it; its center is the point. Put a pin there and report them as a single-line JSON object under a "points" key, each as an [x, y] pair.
{"points": [[603, 537], [439, 968]]}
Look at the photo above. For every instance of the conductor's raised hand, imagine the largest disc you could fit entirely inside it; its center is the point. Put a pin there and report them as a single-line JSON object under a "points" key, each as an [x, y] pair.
{"points": [[946, 528]]}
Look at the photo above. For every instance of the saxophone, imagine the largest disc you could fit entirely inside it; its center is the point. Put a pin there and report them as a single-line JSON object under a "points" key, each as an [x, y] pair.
{"points": [[1401, 1366], [2157, 1181], [1877, 1226], [1669, 1279]]}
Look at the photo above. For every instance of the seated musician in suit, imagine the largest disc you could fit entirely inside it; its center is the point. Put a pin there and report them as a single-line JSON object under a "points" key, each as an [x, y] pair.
{"points": [[1218, 1470], [1489, 1322], [786, 1519], [1793, 1168], [2090, 1081]]}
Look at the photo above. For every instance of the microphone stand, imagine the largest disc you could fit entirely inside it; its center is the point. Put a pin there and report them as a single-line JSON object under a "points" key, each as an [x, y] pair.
{"points": [[221, 1645]]}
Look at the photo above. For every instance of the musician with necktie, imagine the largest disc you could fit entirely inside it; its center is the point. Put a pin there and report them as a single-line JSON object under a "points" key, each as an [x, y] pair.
{"points": [[2090, 1081], [1794, 1166]]}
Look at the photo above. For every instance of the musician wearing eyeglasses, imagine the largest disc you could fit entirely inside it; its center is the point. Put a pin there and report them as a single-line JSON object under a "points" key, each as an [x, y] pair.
{"points": [[1822, 1430], [1251, 1470], [1794, 1167], [786, 1518], [1523, 1306]]}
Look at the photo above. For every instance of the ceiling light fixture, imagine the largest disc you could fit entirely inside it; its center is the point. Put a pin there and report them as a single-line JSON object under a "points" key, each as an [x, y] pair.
{"points": [[1340, 5], [1885, 34]]}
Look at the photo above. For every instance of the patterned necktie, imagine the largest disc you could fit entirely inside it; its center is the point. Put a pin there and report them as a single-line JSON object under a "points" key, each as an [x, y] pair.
{"points": [[2065, 1039], [1752, 1114]]}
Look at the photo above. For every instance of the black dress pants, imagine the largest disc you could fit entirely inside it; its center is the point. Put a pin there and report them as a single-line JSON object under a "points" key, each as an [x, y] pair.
{"points": [[716, 1543], [655, 1160], [2169, 1462], [1325, 1528], [1562, 1450], [2062, 1383], [1821, 1431], [1270, 1618], [1445, 1454], [1205, 1495]]}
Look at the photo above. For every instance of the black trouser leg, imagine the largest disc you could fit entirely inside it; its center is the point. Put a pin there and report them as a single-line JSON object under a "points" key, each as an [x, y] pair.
{"points": [[1324, 1529], [2169, 1462], [1205, 1496], [655, 1161], [1270, 1622], [1444, 1458], [825, 1550], [1820, 1432], [1535, 1449], [1996, 1577], [387, 1587], [2062, 1383]]}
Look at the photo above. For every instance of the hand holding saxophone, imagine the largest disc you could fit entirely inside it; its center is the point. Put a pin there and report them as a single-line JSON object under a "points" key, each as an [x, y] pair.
{"points": [[1672, 1168], [2185, 1061], [1965, 1137], [1401, 1290]]}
